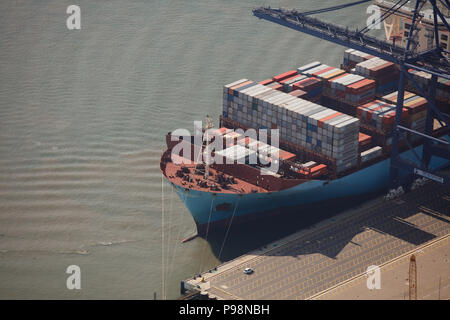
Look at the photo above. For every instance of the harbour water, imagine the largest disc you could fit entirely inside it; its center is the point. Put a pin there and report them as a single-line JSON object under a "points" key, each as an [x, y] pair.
{"points": [[83, 114]]}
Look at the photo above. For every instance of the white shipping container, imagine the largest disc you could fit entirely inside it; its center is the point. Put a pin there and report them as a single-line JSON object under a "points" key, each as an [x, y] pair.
{"points": [[308, 66]]}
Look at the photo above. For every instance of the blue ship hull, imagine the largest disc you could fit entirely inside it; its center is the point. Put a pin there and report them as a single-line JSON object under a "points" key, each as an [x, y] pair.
{"points": [[375, 178]]}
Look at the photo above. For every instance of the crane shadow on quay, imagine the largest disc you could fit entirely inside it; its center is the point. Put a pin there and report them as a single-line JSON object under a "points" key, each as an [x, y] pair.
{"points": [[404, 219]]}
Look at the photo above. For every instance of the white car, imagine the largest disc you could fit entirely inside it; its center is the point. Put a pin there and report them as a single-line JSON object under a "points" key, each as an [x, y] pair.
{"points": [[248, 270]]}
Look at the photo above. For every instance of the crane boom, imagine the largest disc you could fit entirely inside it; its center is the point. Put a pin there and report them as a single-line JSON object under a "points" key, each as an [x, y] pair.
{"points": [[431, 61], [356, 40]]}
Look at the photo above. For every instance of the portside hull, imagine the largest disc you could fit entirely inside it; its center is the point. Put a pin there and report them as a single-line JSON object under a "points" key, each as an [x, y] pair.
{"points": [[202, 205]]}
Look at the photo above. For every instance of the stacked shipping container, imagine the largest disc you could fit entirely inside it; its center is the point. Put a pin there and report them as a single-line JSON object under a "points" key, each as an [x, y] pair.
{"points": [[379, 115], [384, 73], [351, 89], [301, 122], [352, 57], [371, 154], [317, 74], [423, 79], [281, 102], [416, 107]]}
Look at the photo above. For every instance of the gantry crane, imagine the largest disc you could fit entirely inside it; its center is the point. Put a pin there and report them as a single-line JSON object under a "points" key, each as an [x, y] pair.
{"points": [[432, 61]]}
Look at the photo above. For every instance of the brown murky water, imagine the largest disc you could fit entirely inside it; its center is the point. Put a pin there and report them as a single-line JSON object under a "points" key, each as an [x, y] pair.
{"points": [[82, 121]]}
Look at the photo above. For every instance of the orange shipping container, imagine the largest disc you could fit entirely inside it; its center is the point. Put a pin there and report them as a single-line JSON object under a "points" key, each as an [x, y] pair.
{"points": [[416, 106], [364, 139], [320, 122], [285, 75], [285, 155], [333, 74], [360, 86], [266, 82], [230, 90], [319, 170], [322, 71]]}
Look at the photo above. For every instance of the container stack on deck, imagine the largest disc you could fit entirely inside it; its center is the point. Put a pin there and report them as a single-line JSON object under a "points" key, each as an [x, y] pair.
{"points": [[386, 76], [347, 91], [423, 79], [352, 57], [416, 107], [294, 80], [377, 114], [322, 72], [303, 123], [322, 109], [384, 73]]}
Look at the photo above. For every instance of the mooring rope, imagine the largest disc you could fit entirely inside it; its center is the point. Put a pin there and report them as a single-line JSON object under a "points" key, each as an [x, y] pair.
{"points": [[169, 236], [228, 228], [178, 240], [163, 294], [206, 235]]}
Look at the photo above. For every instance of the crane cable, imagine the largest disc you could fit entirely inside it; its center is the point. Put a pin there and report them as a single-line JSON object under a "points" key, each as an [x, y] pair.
{"points": [[446, 4], [342, 6]]}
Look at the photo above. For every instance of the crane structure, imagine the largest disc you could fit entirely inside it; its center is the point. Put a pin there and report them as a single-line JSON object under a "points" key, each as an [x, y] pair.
{"points": [[397, 25], [433, 61], [412, 278]]}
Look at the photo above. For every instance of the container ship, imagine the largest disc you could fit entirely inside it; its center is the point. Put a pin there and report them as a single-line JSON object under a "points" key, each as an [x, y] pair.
{"points": [[334, 138]]}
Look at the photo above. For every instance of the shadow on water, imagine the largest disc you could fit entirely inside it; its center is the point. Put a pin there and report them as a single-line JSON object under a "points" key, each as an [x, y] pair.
{"points": [[248, 236]]}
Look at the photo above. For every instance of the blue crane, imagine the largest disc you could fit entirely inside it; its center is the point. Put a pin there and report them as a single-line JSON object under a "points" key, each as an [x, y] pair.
{"points": [[432, 61]]}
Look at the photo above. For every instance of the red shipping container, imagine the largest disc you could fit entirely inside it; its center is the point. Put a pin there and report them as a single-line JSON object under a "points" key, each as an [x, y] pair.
{"points": [[323, 71], [246, 141], [301, 83], [298, 93], [308, 84], [319, 170], [266, 82], [285, 155], [384, 69], [360, 86], [221, 131], [364, 139], [366, 109], [320, 122], [285, 75]]}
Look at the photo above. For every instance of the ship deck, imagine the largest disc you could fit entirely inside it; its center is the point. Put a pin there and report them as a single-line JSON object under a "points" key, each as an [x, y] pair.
{"points": [[310, 263], [240, 186]]}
